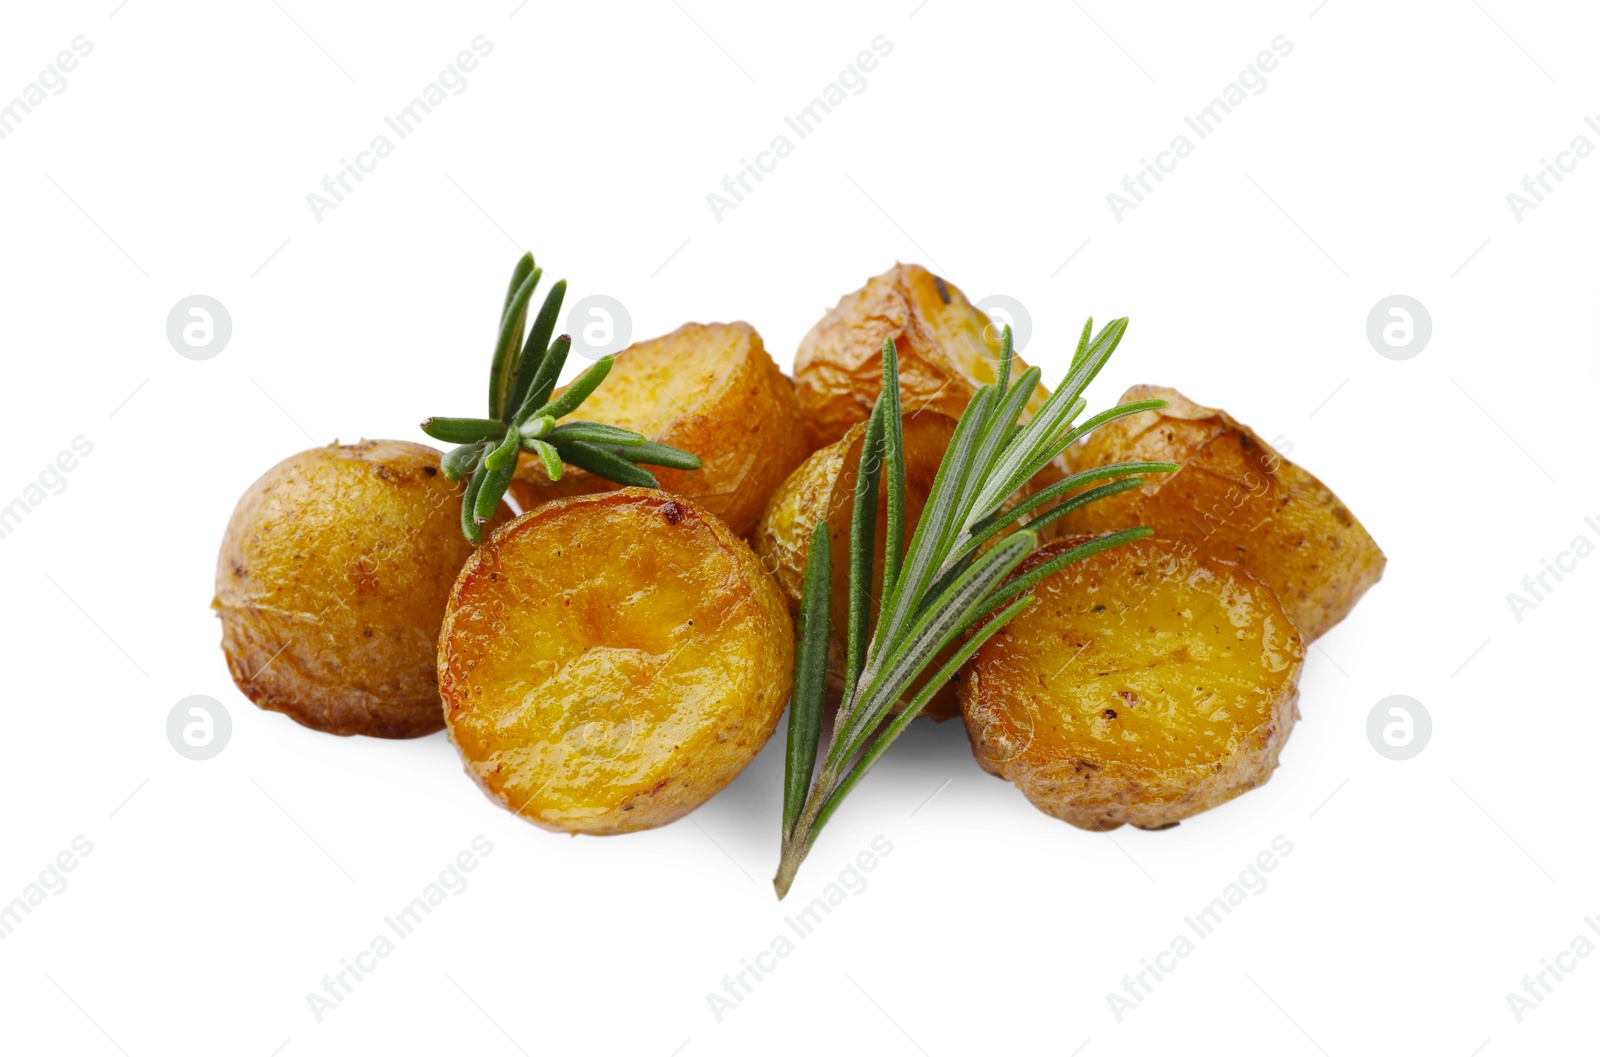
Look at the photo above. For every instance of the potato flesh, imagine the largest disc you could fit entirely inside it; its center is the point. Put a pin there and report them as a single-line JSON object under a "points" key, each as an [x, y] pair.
{"points": [[1145, 683], [611, 661], [709, 389]]}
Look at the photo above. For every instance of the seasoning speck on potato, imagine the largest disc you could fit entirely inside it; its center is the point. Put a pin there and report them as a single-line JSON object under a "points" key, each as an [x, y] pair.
{"points": [[609, 662]]}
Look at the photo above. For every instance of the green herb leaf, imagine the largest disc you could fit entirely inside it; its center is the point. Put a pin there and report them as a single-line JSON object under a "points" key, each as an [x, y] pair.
{"points": [[581, 387], [469, 503], [459, 462], [654, 453], [869, 468], [894, 457], [551, 459], [544, 381], [502, 375], [1066, 558], [599, 461], [538, 426], [518, 275], [505, 454], [495, 483], [464, 430], [537, 348], [595, 433], [998, 521], [811, 666]]}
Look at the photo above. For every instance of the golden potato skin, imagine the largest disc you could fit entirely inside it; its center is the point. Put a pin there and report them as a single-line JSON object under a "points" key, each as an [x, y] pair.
{"points": [[609, 662], [331, 585], [710, 389], [946, 347], [1236, 499], [824, 487], [1145, 684]]}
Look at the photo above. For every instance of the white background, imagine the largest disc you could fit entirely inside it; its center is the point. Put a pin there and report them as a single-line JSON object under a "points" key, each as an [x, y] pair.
{"points": [[1376, 161]]}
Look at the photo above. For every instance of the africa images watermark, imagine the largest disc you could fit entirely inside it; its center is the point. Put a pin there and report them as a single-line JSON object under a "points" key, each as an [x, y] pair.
{"points": [[1537, 186], [52, 881], [852, 80], [52, 79], [452, 80], [451, 881], [1252, 881], [52, 480], [1252, 80], [1536, 987], [1538, 585], [852, 880]]}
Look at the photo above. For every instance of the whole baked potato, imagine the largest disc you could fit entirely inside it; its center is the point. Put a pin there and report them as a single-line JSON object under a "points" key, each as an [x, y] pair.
{"points": [[1145, 683], [710, 389], [1237, 499], [331, 584], [947, 349], [609, 662]]}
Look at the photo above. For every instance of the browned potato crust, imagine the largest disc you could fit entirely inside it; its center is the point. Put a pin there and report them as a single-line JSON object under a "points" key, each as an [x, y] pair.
{"points": [[1236, 499], [609, 662], [331, 585], [947, 349], [1145, 684], [824, 487], [710, 389]]}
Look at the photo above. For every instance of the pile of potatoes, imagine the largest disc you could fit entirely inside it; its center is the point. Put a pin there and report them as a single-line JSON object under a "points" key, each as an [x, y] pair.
{"points": [[611, 657]]}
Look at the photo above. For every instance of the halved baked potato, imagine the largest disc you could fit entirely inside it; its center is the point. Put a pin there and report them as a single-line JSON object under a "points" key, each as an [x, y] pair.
{"points": [[610, 661], [1237, 499], [1145, 684], [710, 389], [824, 488], [947, 349], [331, 584]]}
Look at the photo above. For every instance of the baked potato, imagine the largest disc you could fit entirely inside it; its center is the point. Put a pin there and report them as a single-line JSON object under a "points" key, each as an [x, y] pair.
{"points": [[1237, 499], [1145, 684], [824, 487], [947, 349], [331, 584], [610, 661], [710, 389]]}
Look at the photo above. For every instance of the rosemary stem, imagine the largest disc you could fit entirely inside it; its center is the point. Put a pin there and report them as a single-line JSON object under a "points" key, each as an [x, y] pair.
{"points": [[797, 843]]}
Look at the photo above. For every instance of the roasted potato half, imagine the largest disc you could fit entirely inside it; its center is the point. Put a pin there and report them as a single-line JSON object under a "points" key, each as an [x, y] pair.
{"points": [[1145, 684], [947, 349], [710, 389], [610, 661], [1237, 499], [331, 585], [824, 488]]}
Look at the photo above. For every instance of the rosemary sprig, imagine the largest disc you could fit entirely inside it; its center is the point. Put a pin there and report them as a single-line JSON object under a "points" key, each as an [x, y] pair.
{"points": [[523, 411], [945, 584]]}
